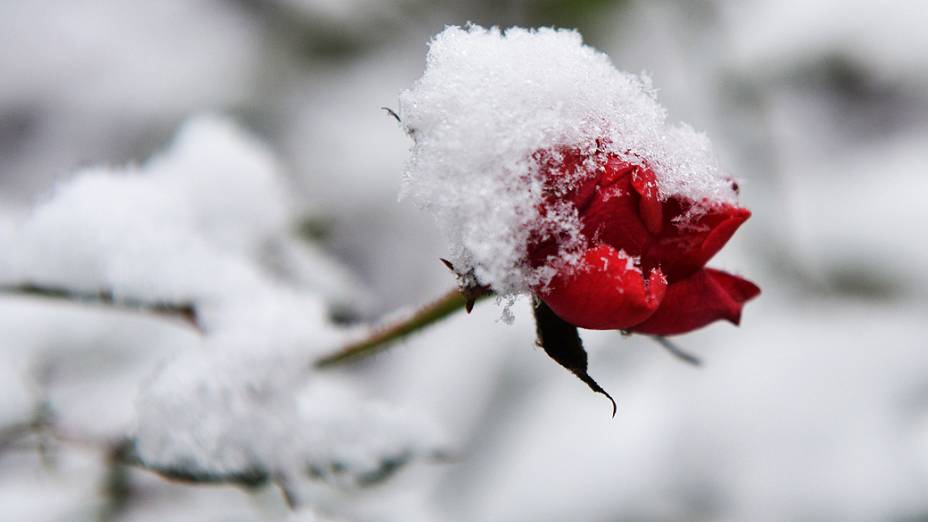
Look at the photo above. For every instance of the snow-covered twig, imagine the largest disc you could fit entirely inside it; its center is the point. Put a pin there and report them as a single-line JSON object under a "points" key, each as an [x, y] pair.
{"points": [[250, 478], [123, 453]]}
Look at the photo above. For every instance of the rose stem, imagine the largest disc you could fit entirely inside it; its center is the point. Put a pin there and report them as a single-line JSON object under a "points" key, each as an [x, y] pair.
{"points": [[379, 338]]}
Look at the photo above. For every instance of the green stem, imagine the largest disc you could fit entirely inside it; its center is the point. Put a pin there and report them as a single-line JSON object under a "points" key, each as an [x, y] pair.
{"points": [[380, 338]]}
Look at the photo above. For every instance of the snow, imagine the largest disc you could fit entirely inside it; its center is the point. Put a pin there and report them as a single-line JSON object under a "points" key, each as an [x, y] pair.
{"points": [[209, 222], [189, 225], [81, 358], [221, 411], [178, 228], [490, 99]]}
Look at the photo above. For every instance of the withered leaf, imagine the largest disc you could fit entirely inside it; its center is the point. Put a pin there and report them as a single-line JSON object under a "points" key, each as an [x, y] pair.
{"points": [[561, 342]]}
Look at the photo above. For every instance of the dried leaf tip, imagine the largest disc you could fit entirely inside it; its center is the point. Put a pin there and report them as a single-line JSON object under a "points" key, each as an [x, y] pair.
{"points": [[561, 341]]}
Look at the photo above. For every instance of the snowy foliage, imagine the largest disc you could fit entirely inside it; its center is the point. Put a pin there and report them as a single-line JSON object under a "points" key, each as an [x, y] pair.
{"points": [[183, 227], [190, 225], [489, 100], [197, 225], [224, 413]]}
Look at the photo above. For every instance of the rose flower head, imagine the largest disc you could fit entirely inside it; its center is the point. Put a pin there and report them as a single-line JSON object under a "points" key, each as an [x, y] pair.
{"points": [[640, 262], [552, 173]]}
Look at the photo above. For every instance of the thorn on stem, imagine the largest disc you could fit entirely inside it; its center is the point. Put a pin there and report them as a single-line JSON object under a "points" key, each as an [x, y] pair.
{"points": [[467, 285]]}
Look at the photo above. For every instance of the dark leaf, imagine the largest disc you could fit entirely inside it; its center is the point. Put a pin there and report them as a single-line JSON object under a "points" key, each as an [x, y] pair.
{"points": [[561, 342]]}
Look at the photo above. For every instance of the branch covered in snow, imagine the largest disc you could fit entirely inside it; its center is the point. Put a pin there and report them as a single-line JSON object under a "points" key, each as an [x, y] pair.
{"points": [[206, 232]]}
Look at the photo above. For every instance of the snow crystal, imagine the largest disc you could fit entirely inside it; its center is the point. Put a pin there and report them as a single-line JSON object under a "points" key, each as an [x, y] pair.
{"points": [[491, 99]]}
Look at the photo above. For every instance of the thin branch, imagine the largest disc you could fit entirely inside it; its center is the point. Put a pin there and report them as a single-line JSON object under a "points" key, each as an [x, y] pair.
{"points": [[123, 452], [184, 311], [380, 338], [676, 351]]}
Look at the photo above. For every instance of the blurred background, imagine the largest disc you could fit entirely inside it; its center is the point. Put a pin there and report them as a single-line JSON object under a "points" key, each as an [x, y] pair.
{"points": [[816, 408]]}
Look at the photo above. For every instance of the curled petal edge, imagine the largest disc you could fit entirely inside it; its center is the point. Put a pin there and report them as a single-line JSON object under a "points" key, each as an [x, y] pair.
{"points": [[705, 297]]}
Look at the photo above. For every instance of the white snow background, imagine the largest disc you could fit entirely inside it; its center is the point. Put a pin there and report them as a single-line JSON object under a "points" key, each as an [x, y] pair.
{"points": [[184, 152]]}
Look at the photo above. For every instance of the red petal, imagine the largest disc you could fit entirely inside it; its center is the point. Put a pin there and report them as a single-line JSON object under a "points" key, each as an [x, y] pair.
{"points": [[706, 296], [650, 206], [684, 248], [605, 292], [613, 215], [567, 177]]}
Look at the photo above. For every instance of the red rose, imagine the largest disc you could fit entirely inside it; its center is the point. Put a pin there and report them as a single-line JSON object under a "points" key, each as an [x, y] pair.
{"points": [[641, 259]]}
